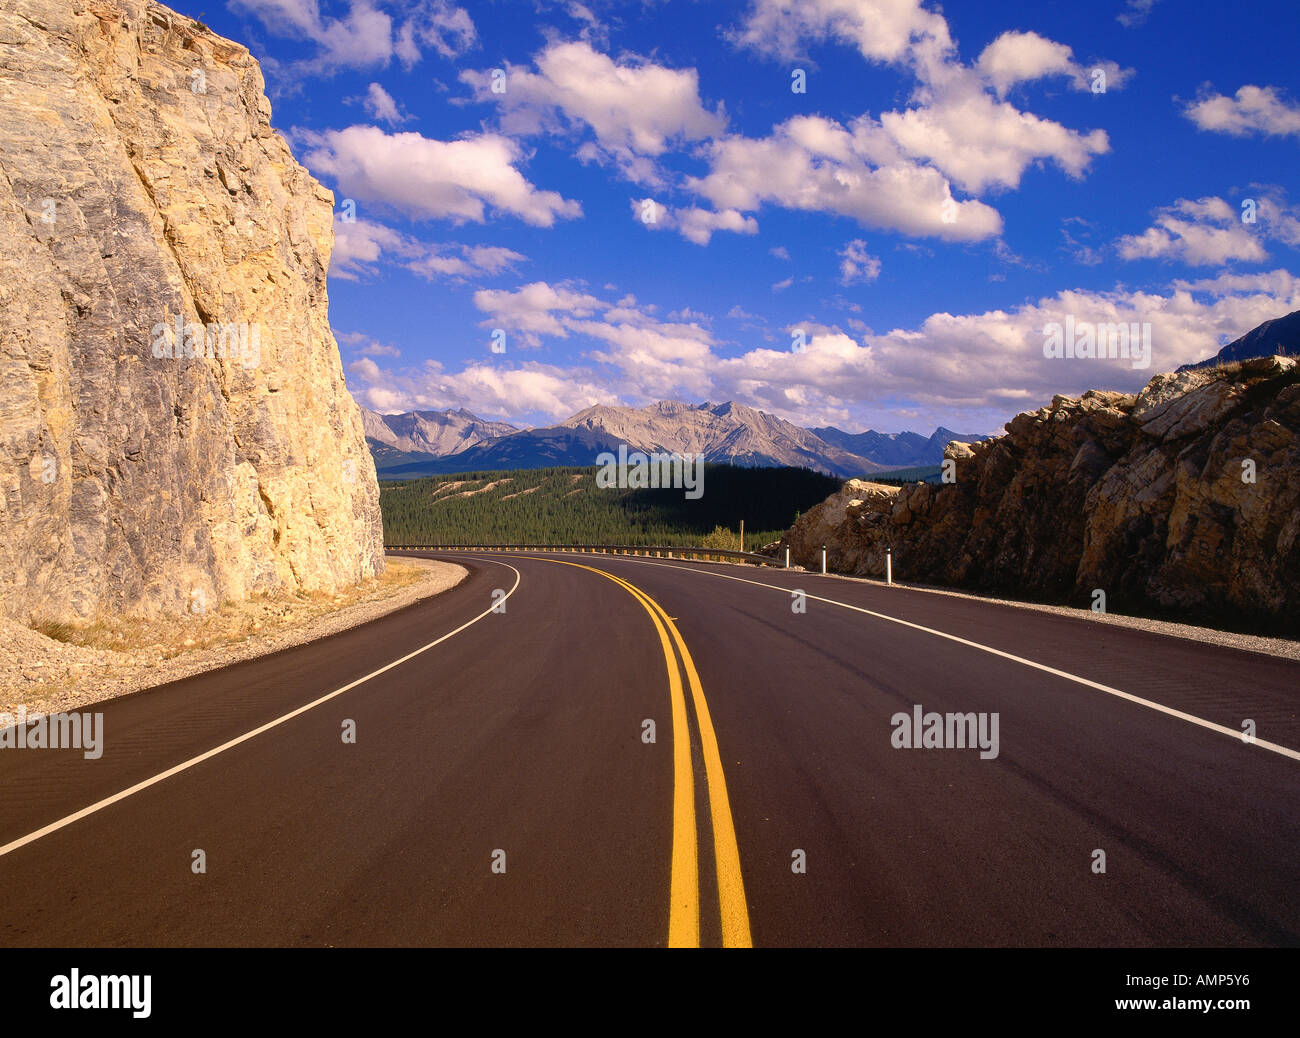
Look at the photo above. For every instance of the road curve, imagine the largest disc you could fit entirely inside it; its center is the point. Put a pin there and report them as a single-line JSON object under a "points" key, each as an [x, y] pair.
{"points": [[503, 788]]}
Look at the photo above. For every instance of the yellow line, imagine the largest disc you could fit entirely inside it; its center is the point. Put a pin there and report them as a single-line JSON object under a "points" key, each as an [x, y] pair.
{"points": [[684, 885], [726, 852]]}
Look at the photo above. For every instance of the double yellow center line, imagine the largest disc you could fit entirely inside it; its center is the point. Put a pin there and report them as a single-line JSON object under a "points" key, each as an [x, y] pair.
{"points": [[684, 886]]}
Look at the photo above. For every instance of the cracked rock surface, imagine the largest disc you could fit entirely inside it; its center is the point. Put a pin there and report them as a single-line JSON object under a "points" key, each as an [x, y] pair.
{"points": [[143, 190], [1184, 497]]}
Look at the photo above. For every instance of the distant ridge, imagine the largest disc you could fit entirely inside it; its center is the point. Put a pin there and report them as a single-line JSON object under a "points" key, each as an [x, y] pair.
{"points": [[439, 442], [1278, 336]]}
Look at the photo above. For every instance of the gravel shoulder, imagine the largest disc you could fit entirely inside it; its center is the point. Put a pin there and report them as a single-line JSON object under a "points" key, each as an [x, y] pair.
{"points": [[80, 666]]}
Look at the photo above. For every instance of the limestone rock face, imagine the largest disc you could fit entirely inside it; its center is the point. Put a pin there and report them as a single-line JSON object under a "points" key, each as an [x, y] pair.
{"points": [[1185, 498], [144, 193]]}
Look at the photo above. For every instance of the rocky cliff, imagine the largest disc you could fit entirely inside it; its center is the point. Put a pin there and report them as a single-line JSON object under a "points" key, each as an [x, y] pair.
{"points": [[174, 425], [1182, 499]]}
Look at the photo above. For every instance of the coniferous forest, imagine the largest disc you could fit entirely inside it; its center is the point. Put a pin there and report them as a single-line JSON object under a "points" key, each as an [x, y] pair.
{"points": [[565, 506]]}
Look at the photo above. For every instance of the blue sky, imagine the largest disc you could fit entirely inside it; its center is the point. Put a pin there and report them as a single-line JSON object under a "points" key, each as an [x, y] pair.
{"points": [[635, 196]]}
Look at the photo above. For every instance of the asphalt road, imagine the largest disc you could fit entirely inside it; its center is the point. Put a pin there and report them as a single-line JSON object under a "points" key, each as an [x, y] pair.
{"points": [[501, 789]]}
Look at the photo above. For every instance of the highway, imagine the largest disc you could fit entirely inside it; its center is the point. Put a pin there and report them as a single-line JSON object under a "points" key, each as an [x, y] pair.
{"points": [[503, 788]]}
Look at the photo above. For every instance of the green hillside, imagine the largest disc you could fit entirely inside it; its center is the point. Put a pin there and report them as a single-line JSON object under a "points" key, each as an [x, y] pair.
{"points": [[564, 506]]}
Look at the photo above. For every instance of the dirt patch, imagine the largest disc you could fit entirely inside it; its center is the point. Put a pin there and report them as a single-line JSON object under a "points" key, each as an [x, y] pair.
{"points": [[59, 666], [481, 490]]}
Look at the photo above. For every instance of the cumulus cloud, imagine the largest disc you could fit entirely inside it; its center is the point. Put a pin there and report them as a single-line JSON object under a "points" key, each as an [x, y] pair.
{"points": [[367, 36], [536, 310], [379, 104], [693, 223], [957, 122], [883, 30], [812, 163], [660, 358], [961, 370], [1020, 57], [1253, 110], [1205, 232], [634, 108], [975, 370], [981, 142], [425, 178], [526, 392], [856, 265]]}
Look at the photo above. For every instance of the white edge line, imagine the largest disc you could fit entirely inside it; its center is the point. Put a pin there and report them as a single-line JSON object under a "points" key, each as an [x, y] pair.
{"points": [[1193, 719], [22, 841]]}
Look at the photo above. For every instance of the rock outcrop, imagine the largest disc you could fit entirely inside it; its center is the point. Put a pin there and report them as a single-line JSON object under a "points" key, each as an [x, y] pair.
{"points": [[1183, 499], [174, 425]]}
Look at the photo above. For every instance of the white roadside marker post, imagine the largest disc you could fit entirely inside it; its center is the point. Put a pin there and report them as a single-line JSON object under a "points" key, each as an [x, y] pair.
{"points": [[889, 565], [823, 560], [787, 558]]}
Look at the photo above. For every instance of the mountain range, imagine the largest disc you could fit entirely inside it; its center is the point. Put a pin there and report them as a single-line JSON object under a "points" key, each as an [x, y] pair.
{"points": [[1278, 337], [421, 443]]}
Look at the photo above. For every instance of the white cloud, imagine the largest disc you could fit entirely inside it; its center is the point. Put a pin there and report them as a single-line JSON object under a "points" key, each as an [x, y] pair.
{"points": [[1017, 57], [660, 358], [812, 163], [1135, 13], [693, 223], [635, 108], [782, 285], [366, 345], [856, 265], [446, 28], [1020, 57], [431, 179], [1254, 110], [883, 30], [1074, 230], [981, 142], [1201, 233], [379, 104], [536, 309], [780, 252], [367, 36], [1278, 220], [527, 392], [973, 371], [360, 246], [592, 27], [967, 371], [954, 122]]}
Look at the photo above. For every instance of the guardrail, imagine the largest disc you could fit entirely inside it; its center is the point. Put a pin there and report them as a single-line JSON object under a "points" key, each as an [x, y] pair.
{"points": [[651, 551]]}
